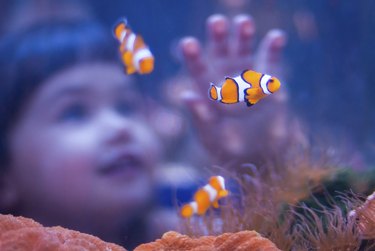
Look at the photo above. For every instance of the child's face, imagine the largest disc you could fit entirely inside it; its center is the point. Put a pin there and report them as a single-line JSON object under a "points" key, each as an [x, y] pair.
{"points": [[81, 147]]}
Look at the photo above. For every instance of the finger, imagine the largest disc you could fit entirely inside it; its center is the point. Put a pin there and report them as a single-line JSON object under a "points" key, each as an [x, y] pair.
{"points": [[204, 118], [244, 34], [193, 58], [218, 29], [270, 49]]}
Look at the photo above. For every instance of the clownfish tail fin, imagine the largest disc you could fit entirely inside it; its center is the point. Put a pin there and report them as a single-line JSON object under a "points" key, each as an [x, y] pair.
{"points": [[187, 211], [213, 92], [120, 25], [122, 21]]}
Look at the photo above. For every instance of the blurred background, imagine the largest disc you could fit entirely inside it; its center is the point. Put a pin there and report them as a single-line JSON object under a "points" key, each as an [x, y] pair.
{"points": [[329, 58]]}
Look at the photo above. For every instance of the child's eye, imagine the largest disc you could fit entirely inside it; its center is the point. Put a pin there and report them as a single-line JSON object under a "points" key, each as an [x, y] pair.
{"points": [[74, 112]]}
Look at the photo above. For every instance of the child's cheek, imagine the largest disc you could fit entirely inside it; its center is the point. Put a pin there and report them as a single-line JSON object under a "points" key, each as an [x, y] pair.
{"points": [[82, 141], [71, 152], [150, 143], [69, 168]]}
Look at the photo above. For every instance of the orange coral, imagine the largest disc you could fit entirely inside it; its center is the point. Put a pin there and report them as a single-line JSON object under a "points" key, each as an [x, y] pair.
{"points": [[19, 233], [8, 223], [244, 240]]}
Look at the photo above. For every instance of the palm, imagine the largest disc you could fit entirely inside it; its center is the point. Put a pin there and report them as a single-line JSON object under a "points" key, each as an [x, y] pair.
{"points": [[234, 131]]}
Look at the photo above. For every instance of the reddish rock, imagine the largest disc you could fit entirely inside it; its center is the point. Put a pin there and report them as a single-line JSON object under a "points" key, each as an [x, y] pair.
{"points": [[19, 233], [244, 240]]}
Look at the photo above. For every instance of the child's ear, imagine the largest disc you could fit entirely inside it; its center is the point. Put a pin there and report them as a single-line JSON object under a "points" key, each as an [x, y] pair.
{"points": [[8, 193]]}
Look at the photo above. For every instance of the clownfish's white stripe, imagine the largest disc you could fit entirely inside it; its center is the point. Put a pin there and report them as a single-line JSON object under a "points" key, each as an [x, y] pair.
{"points": [[139, 55], [212, 193], [263, 83], [122, 36], [221, 182], [130, 42], [194, 206], [218, 90], [242, 85]]}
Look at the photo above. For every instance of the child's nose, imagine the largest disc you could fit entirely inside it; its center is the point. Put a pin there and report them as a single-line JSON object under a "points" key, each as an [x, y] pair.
{"points": [[116, 128]]}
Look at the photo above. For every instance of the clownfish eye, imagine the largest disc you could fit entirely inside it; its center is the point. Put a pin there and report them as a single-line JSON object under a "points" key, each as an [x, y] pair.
{"points": [[74, 112]]}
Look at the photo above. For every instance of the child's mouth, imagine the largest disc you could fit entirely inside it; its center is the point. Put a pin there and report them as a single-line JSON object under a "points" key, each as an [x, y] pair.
{"points": [[122, 164]]}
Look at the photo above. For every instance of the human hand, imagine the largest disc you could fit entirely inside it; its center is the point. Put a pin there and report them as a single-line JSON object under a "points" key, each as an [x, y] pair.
{"points": [[234, 132]]}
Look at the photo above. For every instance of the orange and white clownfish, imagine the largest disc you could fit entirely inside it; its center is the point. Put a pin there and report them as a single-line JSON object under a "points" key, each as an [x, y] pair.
{"points": [[249, 87], [206, 197], [135, 54]]}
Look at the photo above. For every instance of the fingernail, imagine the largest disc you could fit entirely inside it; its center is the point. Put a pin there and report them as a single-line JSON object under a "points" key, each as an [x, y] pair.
{"points": [[190, 46], [215, 18], [277, 38], [246, 25], [218, 25]]}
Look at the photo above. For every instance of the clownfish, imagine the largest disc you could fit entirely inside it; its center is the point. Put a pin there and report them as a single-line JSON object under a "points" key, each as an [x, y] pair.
{"points": [[206, 197], [250, 87], [135, 54]]}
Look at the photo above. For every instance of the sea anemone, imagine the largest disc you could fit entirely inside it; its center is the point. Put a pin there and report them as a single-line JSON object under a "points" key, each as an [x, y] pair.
{"points": [[291, 203], [325, 229]]}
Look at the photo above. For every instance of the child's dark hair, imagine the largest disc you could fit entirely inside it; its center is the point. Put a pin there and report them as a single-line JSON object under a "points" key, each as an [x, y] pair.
{"points": [[29, 57]]}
